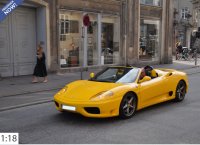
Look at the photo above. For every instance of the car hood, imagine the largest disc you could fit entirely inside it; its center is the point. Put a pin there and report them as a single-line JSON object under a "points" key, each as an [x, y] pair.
{"points": [[83, 90]]}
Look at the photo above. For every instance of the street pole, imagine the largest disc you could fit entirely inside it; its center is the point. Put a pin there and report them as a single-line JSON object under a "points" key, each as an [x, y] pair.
{"points": [[81, 73], [125, 45], [125, 11], [82, 51], [195, 57]]}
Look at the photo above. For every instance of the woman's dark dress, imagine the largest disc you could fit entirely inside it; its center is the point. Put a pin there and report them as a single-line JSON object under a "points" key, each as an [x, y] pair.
{"points": [[40, 68]]}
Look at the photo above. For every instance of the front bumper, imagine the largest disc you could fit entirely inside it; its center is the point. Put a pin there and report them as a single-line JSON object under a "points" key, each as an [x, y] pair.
{"points": [[108, 108]]}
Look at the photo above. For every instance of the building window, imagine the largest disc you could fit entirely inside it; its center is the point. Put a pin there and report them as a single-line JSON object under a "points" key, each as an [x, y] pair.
{"points": [[184, 13], [110, 38], [64, 27], [70, 39], [67, 26], [149, 39], [196, 15], [151, 2]]}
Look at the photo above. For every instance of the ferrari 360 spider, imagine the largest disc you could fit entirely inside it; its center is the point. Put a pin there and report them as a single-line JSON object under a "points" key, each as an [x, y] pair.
{"points": [[121, 91]]}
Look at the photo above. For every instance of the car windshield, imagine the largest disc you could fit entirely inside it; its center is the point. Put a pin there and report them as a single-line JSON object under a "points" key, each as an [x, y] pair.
{"points": [[117, 75]]}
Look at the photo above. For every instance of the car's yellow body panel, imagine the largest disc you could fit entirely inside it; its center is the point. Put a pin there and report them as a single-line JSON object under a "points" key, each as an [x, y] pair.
{"points": [[80, 94]]}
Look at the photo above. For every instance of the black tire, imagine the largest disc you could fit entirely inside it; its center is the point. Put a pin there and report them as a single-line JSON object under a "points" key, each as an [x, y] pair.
{"points": [[180, 91], [128, 106]]}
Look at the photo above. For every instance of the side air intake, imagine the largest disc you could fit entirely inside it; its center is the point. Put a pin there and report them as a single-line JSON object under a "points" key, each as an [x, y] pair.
{"points": [[170, 93]]}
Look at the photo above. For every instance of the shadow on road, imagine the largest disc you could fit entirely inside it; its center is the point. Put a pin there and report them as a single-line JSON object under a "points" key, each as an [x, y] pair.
{"points": [[78, 118]]}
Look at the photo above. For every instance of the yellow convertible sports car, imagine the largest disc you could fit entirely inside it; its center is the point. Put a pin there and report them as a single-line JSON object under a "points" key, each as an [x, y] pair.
{"points": [[121, 91]]}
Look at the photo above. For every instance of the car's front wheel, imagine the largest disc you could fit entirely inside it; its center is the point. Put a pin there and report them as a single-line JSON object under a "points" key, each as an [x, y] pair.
{"points": [[180, 91], [128, 106]]}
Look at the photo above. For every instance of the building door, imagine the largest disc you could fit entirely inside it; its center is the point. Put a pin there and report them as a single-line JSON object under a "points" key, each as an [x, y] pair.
{"points": [[18, 43]]}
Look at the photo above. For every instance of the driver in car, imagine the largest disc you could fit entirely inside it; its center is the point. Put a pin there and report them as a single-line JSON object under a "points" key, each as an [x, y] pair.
{"points": [[143, 74]]}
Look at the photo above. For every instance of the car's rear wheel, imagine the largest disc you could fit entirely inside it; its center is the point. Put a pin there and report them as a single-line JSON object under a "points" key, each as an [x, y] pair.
{"points": [[180, 91], [128, 106]]}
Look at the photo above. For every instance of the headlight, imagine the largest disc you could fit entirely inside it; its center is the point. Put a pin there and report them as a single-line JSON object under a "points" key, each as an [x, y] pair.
{"points": [[102, 95], [62, 90]]}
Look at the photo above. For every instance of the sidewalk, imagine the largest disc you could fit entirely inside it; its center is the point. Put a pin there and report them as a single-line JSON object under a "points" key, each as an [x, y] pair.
{"points": [[22, 85], [11, 88], [17, 92]]}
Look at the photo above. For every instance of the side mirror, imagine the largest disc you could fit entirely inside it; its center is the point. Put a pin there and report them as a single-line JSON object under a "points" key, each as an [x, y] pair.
{"points": [[145, 79], [169, 74], [92, 75]]}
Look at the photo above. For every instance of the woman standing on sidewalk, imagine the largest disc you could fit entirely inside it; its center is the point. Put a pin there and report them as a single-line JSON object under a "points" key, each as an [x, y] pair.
{"points": [[40, 68]]}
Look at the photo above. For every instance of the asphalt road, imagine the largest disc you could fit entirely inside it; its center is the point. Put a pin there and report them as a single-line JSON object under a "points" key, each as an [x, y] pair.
{"points": [[164, 123]]}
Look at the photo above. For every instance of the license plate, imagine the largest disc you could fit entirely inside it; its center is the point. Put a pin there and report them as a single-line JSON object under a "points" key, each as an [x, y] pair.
{"points": [[69, 108]]}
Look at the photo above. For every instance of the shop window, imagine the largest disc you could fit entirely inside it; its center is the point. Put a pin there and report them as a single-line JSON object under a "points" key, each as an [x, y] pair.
{"points": [[72, 34], [149, 39], [110, 40], [70, 39]]}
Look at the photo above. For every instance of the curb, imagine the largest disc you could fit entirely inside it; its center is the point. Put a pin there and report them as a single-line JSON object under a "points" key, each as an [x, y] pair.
{"points": [[25, 105], [192, 67], [193, 73]]}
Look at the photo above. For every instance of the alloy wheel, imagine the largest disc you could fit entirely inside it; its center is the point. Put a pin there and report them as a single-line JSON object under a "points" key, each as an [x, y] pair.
{"points": [[180, 91], [128, 106]]}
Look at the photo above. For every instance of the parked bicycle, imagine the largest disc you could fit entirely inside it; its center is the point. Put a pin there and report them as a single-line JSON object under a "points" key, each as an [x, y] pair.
{"points": [[194, 54], [183, 54]]}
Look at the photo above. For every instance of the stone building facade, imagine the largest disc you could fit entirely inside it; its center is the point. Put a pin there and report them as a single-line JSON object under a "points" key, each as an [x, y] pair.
{"points": [[99, 33], [74, 45], [196, 14], [183, 22], [134, 32], [149, 32], [195, 20]]}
